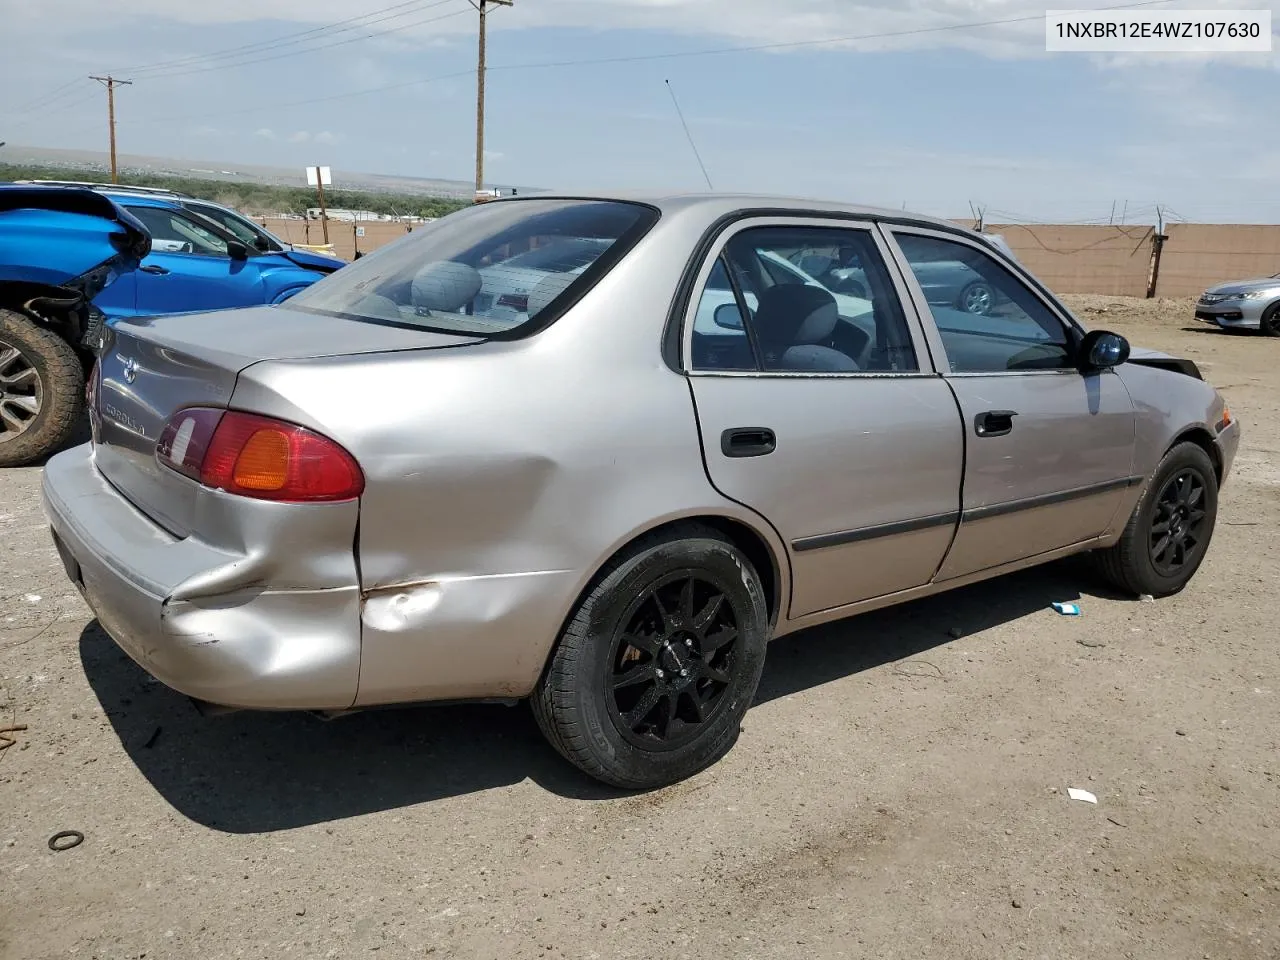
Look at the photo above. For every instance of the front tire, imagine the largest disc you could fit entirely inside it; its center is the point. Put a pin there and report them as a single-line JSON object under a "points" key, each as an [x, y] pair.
{"points": [[1270, 323], [659, 663], [1168, 533], [41, 391]]}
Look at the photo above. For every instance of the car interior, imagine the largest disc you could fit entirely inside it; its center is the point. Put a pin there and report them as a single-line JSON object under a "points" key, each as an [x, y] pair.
{"points": [[797, 324]]}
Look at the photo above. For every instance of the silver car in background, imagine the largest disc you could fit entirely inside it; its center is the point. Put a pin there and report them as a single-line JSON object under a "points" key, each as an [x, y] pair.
{"points": [[455, 470], [1243, 305]]}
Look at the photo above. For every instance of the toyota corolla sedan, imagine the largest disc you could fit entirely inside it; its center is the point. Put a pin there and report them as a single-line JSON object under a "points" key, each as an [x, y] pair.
{"points": [[391, 489], [1243, 305]]}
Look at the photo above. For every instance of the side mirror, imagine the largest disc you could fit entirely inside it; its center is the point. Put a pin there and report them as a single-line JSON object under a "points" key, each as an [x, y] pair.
{"points": [[261, 244], [237, 250], [728, 315], [1101, 350]]}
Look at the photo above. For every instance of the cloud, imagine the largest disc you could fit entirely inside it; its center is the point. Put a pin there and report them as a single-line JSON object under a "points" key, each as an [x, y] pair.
{"points": [[265, 133], [301, 136], [324, 136], [881, 24], [492, 155]]}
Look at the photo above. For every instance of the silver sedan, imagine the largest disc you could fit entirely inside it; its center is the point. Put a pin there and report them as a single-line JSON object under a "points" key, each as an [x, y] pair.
{"points": [[604, 494], [1243, 305]]}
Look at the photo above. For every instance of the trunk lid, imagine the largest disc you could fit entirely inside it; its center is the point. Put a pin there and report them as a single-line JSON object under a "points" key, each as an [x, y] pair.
{"points": [[151, 367]]}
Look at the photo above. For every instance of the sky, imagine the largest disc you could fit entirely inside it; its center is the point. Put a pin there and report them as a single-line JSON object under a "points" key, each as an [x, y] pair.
{"points": [[777, 98]]}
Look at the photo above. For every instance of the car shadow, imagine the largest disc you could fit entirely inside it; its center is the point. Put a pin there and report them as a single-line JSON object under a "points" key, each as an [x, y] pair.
{"points": [[255, 772]]}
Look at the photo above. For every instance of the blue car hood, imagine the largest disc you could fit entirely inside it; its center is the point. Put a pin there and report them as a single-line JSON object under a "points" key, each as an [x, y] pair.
{"points": [[67, 237], [314, 261]]}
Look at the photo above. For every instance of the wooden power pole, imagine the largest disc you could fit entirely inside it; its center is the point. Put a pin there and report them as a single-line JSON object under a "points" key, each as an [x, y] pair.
{"points": [[482, 7], [111, 83]]}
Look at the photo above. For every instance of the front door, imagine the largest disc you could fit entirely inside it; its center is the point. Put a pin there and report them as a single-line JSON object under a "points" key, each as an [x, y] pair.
{"points": [[1049, 449], [189, 268], [820, 411]]}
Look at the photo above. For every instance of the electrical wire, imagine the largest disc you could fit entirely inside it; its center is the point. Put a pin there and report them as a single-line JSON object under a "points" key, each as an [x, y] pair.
{"points": [[288, 39], [593, 61], [298, 53]]}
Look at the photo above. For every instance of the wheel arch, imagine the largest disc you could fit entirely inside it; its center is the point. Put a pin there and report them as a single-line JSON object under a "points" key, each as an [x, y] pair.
{"points": [[754, 545], [1203, 439]]}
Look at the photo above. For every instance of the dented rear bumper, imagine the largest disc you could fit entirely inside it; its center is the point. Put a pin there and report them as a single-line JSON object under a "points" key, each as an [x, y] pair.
{"points": [[273, 617], [190, 613]]}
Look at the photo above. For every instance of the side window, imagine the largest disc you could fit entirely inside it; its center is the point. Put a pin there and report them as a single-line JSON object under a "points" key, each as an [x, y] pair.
{"points": [[801, 323], [989, 320], [720, 339], [171, 232]]}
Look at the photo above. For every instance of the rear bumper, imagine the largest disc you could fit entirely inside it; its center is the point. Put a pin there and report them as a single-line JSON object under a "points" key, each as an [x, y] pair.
{"points": [[250, 646]]}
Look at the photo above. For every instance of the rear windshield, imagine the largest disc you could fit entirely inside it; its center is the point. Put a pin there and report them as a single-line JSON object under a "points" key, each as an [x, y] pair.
{"points": [[488, 270]]}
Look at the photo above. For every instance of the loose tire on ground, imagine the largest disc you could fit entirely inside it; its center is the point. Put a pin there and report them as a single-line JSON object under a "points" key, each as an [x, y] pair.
{"points": [[1130, 564], [652, 632], [61, 383]]}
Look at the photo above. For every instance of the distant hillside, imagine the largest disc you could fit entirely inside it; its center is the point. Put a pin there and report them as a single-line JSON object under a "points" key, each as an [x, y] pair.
{"points": [[255, 199]]}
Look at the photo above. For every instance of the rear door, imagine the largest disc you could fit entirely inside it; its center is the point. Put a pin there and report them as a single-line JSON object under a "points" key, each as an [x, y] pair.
{"points": [[189, 268], [847, 442], [1050, 449]]}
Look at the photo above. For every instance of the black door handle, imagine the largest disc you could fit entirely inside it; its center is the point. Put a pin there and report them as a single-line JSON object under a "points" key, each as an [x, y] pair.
{"points": [[152, 268], [748, 442], [994, 423]]}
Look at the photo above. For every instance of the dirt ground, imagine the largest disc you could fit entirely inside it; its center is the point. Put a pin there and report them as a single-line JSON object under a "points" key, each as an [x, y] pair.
{"points": [[897, 792]]}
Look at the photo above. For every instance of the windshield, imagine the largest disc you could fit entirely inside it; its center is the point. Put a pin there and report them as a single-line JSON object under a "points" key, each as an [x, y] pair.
{"points": [[242, 229], [488, 269]]}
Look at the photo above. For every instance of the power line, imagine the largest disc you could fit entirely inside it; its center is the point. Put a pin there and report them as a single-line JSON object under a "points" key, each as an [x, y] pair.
{"points": [[298, 53], [48, 99], [285, 40], [632, 58]]}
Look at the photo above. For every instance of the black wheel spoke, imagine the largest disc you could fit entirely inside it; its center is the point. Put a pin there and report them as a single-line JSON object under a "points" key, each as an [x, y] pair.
{"points": [[649, 645], [708, 612], [636, 675], [686, 600], [643, 707], [714, 641], [712, 673]]}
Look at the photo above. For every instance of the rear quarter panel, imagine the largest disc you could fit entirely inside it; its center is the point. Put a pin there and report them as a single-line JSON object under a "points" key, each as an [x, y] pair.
{"points": [[501, 476]]}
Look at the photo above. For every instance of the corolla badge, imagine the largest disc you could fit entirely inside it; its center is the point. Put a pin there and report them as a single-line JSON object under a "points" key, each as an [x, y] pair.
{"points": [[130, 369]]}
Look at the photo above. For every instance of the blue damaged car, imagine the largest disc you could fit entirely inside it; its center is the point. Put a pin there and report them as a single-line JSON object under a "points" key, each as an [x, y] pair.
{"points": [[198, 263], [73, 258], [59, 249]]}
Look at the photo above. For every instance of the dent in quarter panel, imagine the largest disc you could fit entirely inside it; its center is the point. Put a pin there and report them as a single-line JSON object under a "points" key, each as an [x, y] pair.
{"points": [[492, 469]]}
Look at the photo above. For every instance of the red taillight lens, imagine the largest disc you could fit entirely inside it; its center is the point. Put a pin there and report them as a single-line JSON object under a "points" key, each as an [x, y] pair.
{"points": [[259, 457]]}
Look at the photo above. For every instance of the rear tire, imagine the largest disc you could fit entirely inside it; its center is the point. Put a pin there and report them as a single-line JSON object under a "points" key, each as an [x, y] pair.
{"points": [[1177, 512], [659, 663], [41, 391]]}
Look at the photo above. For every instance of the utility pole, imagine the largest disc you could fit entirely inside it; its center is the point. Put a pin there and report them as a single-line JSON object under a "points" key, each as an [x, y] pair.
{"points": [[111, 83], [324, 214], [482, 7]]}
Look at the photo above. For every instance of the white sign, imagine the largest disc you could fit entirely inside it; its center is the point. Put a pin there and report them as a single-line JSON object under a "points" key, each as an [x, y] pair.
{"points": [[1158, 31], [359, 231], [326, 177]]}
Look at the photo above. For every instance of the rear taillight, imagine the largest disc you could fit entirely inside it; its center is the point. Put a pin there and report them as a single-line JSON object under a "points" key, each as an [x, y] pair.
{"points": [[261, 457]]}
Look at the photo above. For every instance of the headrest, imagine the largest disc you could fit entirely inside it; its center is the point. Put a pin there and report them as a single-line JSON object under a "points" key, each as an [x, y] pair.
{"points": [[793, 313], [445, 285]]}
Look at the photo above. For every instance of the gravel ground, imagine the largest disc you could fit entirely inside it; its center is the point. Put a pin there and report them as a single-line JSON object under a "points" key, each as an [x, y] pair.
{"points": [[897, 792]]}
